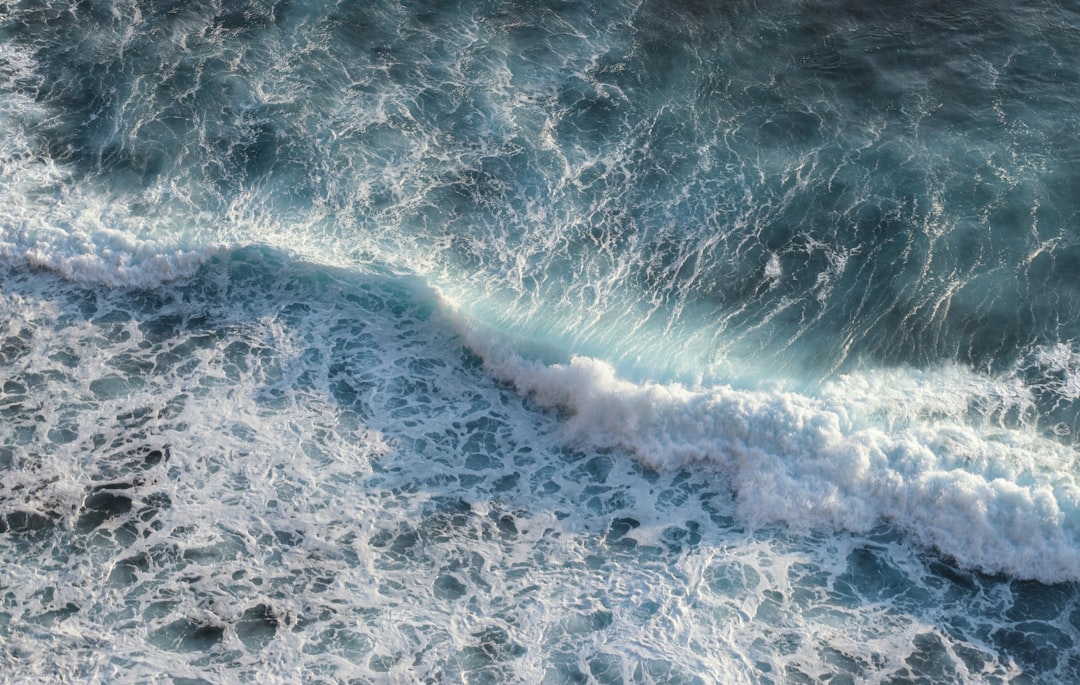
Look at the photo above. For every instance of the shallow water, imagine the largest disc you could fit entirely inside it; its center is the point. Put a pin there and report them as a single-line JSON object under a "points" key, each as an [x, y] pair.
{"points": [[540, 343]]}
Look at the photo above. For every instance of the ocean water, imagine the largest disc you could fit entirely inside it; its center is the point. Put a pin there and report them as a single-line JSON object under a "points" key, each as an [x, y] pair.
{"points": [[692, 341]]}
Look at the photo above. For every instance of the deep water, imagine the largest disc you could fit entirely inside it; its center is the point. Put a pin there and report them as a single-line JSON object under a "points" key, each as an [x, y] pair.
{"points": [[644, 342]]}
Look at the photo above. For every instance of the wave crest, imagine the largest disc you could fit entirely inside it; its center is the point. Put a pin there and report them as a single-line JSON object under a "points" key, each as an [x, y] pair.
{"points": [[997, 499]]}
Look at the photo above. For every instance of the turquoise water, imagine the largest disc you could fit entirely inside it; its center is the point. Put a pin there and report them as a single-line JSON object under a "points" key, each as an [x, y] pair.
{"points": [[482, 342]]}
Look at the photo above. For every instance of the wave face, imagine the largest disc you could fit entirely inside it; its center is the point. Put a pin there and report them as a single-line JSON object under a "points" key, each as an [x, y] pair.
{"points": [[539, 342]]}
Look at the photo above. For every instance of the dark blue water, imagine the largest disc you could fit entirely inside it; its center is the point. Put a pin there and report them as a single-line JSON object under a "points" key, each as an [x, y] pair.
{"points": [[541, 342]]}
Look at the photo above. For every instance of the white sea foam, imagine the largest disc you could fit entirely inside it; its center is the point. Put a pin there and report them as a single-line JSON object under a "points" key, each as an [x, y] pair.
{"points": [[898, 446], [335, 496], [106, 258]]}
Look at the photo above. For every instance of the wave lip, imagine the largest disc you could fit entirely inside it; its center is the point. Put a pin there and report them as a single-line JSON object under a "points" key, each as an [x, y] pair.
{"points": [[1001, 501]]}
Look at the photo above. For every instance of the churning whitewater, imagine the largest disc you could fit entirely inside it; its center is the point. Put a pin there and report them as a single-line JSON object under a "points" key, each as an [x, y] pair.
{"points": [[631, 342]]}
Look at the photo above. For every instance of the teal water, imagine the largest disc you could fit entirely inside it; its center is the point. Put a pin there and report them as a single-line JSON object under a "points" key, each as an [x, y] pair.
{"points": [[484, 342]]}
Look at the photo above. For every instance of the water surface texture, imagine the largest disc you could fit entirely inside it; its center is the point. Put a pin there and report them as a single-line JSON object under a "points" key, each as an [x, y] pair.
{"points": [[539, 342]]}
